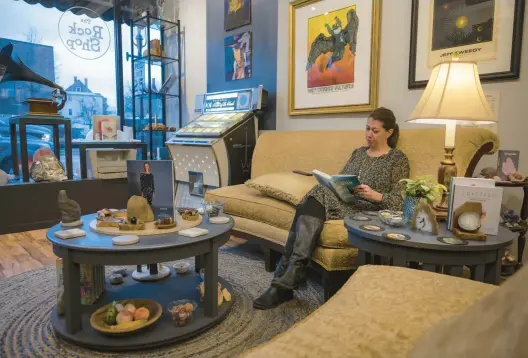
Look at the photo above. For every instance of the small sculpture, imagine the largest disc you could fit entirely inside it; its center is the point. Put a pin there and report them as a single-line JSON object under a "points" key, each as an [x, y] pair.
{"points": [[47, 168], [139, 208], [511, 219], [70, 210], [467, 220], [488, 173]]}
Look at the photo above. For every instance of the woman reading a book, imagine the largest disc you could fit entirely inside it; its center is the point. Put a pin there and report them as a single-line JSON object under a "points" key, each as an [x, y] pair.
{"points": [[379, 167]]}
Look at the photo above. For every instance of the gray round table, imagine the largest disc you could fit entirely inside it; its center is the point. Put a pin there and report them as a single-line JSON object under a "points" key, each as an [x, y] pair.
{"points": [[95, 248], [482, 257]]}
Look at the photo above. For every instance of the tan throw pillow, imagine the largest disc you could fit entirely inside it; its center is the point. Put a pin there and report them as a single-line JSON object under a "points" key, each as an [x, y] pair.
{"points": [[289, 187], [496, 326]]}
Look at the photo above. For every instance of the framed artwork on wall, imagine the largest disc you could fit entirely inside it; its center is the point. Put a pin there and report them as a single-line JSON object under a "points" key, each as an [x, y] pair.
{"points": [[237, 13], [487, 31], [238, 56], [334, 55]]}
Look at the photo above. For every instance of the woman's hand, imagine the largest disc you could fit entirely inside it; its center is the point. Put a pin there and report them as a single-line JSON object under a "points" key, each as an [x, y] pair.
{"points": [[367, 193]]}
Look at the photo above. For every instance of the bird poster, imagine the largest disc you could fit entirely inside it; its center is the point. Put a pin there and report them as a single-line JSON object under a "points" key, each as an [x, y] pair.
{"points": [[238, 56], [237, 13], [333, 56], [332, 41], [464, 29]]}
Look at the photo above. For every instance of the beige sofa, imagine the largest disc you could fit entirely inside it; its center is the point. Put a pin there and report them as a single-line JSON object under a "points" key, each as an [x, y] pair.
{"points": [[394, 312], [264, 218]]}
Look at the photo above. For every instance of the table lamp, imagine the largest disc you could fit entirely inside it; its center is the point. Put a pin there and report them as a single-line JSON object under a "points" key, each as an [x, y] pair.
{"points": [[453, 96]]}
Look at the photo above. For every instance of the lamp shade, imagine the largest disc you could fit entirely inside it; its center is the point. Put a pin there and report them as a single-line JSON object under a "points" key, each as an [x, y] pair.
{"points": [[453, 96]]}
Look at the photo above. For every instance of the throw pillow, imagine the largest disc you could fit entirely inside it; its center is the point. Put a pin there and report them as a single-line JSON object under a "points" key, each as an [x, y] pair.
{"points": [[289, 187], [495, 326]]}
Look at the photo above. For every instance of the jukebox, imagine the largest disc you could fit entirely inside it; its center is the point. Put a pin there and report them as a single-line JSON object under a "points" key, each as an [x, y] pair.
{"points": [[216, 148]]}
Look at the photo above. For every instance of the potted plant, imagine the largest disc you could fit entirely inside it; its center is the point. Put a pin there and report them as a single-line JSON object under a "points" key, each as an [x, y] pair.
{"points": [[421, 188]]}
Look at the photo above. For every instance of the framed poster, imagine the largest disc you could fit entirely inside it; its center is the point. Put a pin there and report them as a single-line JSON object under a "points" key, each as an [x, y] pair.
{"points": [[237, 13], [334, 54], [487, 31], [237, 49]]}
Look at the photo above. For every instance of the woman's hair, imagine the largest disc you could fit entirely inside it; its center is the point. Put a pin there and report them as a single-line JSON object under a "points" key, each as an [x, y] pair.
{"points": [[388, 120]]}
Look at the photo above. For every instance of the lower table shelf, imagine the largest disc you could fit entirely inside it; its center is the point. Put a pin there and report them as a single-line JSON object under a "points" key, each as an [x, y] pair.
{"points": [[163, 332]]}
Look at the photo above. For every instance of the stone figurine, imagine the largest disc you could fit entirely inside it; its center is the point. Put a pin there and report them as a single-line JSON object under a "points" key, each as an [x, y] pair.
{"points": [[3, 178], [70, 210]]}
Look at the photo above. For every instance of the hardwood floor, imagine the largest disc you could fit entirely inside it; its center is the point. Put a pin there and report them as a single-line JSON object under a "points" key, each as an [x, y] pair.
{"points": [[30, 250]]}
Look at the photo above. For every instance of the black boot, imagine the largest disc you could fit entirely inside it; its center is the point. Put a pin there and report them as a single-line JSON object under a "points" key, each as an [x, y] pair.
{"points": [[308, 230], [272, 298]]}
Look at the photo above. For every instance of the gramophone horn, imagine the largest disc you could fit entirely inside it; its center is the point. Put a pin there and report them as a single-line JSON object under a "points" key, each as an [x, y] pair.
{"points": [[15, 70]]}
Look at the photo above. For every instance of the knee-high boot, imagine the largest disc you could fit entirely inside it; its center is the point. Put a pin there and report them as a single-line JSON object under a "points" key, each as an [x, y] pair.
{"points": [[309, 225]]}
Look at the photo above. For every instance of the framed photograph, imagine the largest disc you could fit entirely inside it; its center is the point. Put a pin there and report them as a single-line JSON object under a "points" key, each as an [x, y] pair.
{"points": [[487, 31], [334, 55], [238, 56], [104, 127], [237, 13]]}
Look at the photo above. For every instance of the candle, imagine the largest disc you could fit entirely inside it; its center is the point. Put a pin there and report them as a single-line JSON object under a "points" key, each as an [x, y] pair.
{"points": [[450, 134]]}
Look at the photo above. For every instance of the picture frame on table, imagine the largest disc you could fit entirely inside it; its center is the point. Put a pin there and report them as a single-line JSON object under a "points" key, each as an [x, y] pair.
{"points": [[334, 56], [487, 31]]}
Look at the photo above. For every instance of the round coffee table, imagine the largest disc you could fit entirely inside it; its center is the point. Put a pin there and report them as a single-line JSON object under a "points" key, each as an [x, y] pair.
{"points": [[96, 248], [483, 257]]}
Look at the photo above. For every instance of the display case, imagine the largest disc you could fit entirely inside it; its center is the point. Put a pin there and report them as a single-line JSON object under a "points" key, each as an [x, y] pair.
{"points": [[156, 85]]}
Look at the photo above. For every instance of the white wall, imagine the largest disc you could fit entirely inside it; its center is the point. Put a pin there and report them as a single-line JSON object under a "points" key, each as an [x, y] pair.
{"points": [[393, 92], [194, 67]]}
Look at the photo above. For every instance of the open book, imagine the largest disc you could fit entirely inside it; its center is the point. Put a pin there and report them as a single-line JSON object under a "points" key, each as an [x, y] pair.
{"points": [[341, 185]]}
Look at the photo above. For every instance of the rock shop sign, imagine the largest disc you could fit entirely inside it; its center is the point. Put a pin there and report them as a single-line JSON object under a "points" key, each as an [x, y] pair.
{"points": [[86, 37]]}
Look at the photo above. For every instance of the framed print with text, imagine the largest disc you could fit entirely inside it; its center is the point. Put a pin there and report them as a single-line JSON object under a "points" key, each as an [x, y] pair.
{"points": [[334, 55], [487, 31]]}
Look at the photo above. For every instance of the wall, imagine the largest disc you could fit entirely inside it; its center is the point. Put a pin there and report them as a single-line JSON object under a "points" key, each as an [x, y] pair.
{"points": [[393, 92], [194, 76], [264, 56]]}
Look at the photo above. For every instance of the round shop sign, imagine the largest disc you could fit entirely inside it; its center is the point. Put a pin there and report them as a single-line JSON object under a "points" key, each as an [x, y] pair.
{"points": [[87, 37]]}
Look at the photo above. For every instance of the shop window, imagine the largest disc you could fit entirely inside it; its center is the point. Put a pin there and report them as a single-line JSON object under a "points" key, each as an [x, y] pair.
{"points": [[49, 50]]}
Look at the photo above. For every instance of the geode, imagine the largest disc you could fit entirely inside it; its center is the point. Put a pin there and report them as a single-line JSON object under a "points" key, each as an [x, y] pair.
{"points": [[47, 168], [119, 271]]}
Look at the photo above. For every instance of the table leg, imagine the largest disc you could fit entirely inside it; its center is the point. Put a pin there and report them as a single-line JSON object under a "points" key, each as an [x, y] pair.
{"points": [[72, 294], [376, 260], [454, 270], [56, 141], [82, 159], [211, 281], [198, 263], [477, 273], [68, 150], [14, 149], [399, 260], [364, 258], [23, 151], [431, 268], [493, 269], [144, 151]]}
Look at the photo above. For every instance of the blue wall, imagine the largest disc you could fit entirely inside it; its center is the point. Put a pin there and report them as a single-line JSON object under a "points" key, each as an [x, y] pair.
{"points": [[264, 14]]}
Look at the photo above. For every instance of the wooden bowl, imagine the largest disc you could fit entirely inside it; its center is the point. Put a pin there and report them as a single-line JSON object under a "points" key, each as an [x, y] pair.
{"points": [[98, 318], [165, 226], [131, 227]]}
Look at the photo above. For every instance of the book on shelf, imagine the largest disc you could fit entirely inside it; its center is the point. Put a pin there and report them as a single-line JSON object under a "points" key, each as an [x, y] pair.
{"points": [[91, 281], [507, 163], [463, 190], [342, 186]]}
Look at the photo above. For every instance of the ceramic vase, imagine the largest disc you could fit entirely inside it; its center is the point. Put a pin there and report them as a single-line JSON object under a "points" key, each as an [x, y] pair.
{"points": [[409, 204]]}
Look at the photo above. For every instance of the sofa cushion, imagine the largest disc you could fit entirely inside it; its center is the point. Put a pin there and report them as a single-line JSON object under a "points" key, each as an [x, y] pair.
{"points": [[241, 200], [496, 326], [335, 259], [334, 235], [285, 186], [380, 312]]}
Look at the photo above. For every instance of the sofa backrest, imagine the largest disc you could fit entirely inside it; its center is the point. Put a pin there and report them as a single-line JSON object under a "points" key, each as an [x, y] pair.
{"points": [[329, 151]]}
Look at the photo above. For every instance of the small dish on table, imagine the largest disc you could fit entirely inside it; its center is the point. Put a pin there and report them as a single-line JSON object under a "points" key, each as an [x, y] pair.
{"points": [[182, 311]]}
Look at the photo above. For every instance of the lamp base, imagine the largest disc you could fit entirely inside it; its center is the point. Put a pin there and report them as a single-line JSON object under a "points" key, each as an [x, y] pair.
{"points": [[447, 170]]}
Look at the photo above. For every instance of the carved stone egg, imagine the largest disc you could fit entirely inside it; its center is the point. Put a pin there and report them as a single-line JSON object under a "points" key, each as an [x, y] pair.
{"points": [[469, 221]]}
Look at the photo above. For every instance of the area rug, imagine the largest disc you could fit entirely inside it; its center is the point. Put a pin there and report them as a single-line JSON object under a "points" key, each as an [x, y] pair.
{"points": [[27, 300]]}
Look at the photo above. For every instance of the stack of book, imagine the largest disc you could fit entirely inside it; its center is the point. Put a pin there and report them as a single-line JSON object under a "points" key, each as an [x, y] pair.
{"points": [[463, 190], [91, 280]]}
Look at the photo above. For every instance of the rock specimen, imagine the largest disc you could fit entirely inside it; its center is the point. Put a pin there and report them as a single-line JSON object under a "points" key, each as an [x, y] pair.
{"points": [[47, 168], [116, 279], [139, 208], [70, 210], [3, 178], [119, 271]]}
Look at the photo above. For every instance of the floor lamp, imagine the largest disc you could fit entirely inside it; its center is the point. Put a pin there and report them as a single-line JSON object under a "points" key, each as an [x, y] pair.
{"points": [[453, 96]]}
